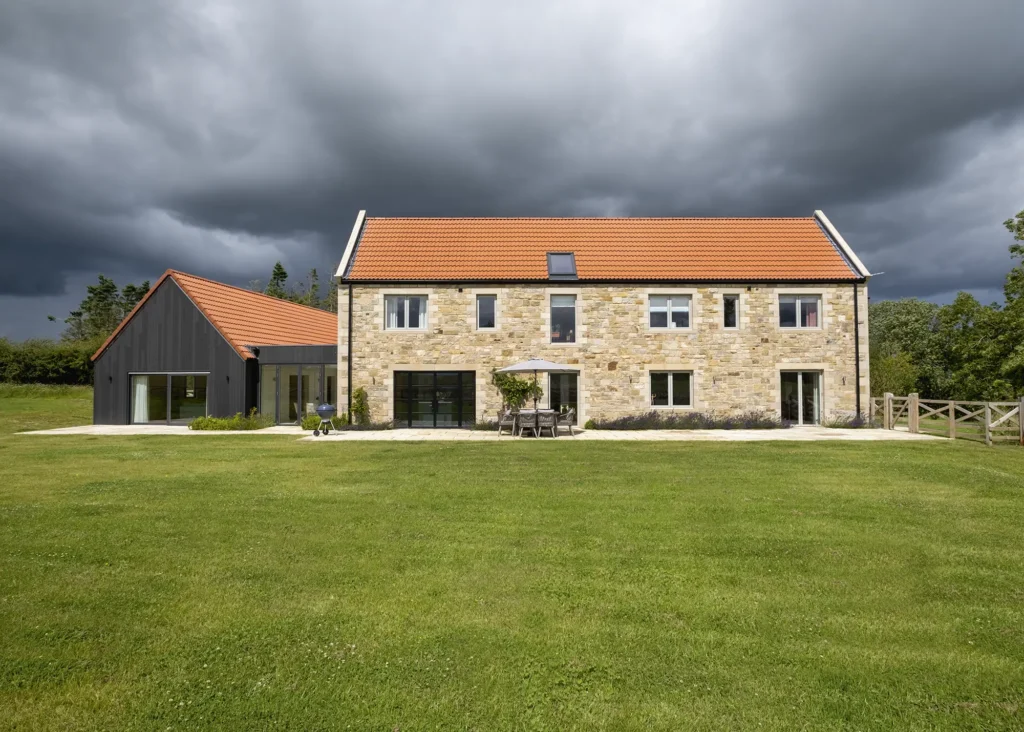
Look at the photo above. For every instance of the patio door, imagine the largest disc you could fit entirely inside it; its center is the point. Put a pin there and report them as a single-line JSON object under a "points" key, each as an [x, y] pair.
{"points": [[563, 390], [167, 398], [434, 398], [801, 397]]}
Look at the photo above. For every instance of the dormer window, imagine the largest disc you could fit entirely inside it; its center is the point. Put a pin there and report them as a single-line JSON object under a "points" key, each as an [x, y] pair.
{"points": [[561, 266]]}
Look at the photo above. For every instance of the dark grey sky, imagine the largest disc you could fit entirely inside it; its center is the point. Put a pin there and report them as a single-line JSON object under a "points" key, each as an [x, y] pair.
{"points": [[217, 137]]}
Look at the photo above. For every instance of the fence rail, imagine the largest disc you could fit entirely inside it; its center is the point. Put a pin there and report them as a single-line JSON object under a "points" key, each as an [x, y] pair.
{"points": [[983, 421]]}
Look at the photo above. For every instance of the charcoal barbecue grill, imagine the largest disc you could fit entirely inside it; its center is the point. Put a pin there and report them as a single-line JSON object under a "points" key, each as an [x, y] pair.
{"points": [[326, 412]]}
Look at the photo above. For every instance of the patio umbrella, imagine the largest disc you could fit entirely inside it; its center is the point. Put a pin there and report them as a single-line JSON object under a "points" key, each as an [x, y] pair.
{"points": [[535, 365]]}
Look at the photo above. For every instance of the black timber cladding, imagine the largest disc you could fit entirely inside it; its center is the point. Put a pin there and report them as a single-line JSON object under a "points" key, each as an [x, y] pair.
{"points": [[269, 355], [170, 334]]}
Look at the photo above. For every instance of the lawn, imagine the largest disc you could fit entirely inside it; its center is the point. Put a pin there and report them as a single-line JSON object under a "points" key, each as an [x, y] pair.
{"points": [[255, 581]]}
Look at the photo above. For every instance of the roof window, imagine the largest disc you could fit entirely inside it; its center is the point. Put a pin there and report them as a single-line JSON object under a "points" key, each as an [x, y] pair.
{"points": [[561, 266]]}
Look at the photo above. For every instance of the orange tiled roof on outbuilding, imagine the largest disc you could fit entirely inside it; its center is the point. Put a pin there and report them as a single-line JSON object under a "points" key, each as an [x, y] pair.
{"points": [[608, 249], [247, 318]]}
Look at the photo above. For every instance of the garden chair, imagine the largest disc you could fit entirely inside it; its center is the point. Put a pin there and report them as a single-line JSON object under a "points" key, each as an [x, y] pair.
{"points": [[526, 420], [507, 418], [566, 420], [547, 421]]}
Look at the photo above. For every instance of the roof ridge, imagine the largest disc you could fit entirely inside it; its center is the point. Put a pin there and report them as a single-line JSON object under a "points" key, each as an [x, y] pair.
{"points": [[173, 272], [590, 218]]}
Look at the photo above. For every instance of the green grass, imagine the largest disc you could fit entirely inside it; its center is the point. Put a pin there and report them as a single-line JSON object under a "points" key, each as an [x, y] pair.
{"points": [[42, 406], [254, 581]]}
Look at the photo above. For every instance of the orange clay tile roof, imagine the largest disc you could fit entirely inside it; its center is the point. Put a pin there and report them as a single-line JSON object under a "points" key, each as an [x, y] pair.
{"points": [[247, 318], [721, 249]]}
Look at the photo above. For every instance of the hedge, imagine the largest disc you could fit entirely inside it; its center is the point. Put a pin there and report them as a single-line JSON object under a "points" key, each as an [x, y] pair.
{"points": [[46, 362]]}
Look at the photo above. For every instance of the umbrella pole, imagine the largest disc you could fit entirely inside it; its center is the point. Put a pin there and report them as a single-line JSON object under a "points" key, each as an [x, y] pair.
{"points": [[536, 414]]}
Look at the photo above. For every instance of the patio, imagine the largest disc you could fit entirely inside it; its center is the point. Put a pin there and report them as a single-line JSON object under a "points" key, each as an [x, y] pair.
{"points": [[794, 434]]}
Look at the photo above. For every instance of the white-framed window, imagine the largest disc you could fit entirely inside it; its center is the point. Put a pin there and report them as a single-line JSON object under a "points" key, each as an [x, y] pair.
{"points": [[671, 388], [563, 318], [668, 311], [486, 312], [799, 311], [405, 312], [730, 311]]}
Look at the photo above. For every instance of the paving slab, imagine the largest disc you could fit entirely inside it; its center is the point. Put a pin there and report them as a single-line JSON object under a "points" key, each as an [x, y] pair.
{"points": [[161, 429], [796, 434]]}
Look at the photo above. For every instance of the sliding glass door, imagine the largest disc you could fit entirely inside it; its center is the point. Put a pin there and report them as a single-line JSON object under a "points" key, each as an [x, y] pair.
{"points": [[801, 397], [167, 398], [292, 391]]}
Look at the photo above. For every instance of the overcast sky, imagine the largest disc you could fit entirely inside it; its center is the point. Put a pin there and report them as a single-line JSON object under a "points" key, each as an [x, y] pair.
{"points": [[218, 137]]}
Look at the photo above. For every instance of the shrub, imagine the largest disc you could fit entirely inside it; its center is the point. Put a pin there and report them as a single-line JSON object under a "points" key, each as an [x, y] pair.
{"points": [[254, 421], [311, 422], [485, 426], [516, 391], [46, 362], [368, 427], [340, 420], [654, 420], [360, 407], [850, 421]]}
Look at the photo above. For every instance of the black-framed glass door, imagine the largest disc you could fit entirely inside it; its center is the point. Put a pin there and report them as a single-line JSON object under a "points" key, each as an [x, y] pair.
{"points": [[434, 398], [563, 391]]}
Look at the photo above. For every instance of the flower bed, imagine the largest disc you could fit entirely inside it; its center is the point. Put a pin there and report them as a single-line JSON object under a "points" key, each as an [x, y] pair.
{"points": [[655, 420]]}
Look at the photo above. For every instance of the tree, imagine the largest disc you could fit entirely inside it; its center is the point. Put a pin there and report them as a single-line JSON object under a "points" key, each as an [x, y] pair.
{"points": [[278, 281], [908, 327], [102, 310], [894, 373]]}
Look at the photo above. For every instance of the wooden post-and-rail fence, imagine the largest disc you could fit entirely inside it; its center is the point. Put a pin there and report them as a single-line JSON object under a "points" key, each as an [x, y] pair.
{"points": [[986, 422]]}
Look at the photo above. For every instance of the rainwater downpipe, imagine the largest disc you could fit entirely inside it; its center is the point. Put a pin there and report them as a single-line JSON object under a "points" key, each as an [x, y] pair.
{"points": [[856, 344], [350, 354]]}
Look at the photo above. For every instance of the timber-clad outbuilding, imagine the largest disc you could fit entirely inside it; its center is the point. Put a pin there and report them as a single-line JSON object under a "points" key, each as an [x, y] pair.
{"points": [[194, 347]]}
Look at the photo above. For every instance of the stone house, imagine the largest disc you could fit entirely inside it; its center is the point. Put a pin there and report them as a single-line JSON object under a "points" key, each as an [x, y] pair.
{"points": [[725, 314]]}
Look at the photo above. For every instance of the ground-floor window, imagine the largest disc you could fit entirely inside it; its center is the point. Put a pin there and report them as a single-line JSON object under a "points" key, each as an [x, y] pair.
{"points": [[671, 388], [435, 398], [167, 398], [801, 397]]}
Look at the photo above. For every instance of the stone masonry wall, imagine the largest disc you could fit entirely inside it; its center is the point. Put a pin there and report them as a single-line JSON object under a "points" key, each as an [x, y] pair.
{"points": [[733, 370]]}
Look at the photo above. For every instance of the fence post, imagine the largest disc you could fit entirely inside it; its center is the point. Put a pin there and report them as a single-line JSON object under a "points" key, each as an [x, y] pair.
{"points": [[871, 409], [952, 420], [913, 413], [988, 424], [1020, 419], [887, 411]]}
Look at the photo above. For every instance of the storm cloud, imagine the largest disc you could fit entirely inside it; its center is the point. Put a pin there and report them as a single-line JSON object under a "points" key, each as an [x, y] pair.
{"points": [[219, 137]]}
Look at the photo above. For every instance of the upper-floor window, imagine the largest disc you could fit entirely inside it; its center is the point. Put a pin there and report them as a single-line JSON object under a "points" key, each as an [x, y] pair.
{"points": [[671, 389], [669, 311], [799, 311], [405, 312], [563, 318], [730, 311], [486, 312]]}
